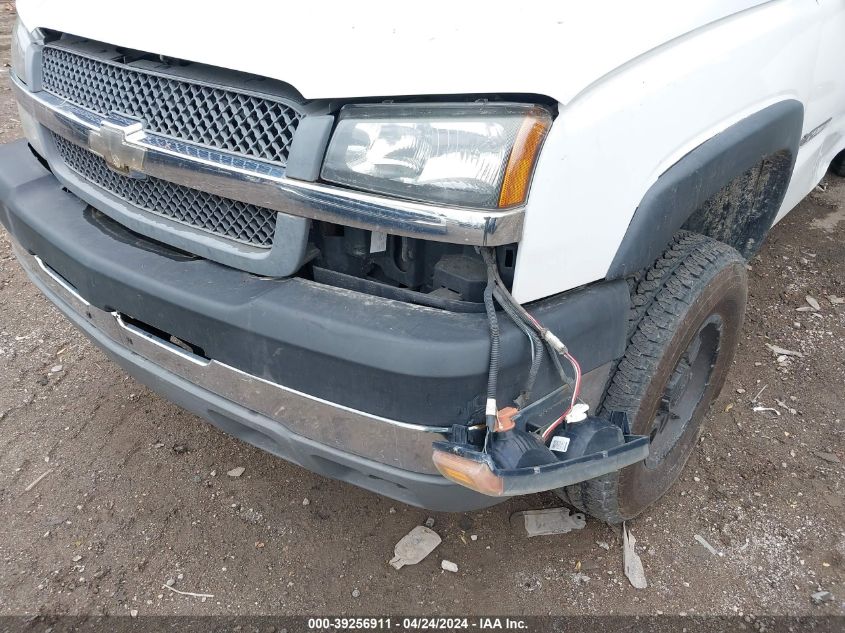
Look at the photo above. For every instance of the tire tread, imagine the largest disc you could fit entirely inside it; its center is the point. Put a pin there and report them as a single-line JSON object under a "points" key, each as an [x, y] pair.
{"points": [[658, 303]]}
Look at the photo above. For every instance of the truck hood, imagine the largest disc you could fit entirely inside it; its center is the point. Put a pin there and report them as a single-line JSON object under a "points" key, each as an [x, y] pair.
{"points": [[378, 48]]}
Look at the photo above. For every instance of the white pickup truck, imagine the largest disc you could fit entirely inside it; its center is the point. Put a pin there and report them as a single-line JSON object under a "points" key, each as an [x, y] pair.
{"points": [[449, 253]]}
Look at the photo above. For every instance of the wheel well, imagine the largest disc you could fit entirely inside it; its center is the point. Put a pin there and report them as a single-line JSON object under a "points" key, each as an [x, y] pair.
{"points": [[729, 188], [741, 212]]}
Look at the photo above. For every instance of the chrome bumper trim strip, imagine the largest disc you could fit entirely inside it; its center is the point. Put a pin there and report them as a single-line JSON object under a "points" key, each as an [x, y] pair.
{"points": [[265, 184], [399, 444]]}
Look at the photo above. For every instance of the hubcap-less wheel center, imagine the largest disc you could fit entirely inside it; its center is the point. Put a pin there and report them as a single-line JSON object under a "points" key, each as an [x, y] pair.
{"points": [[684, 391]]}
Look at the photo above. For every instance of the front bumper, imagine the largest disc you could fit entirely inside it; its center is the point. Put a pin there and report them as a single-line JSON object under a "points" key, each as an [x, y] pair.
{"points": [[186, 381], [348, 385]]}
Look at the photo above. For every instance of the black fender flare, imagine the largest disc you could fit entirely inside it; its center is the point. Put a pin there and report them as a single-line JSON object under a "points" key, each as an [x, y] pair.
{"points": [[694, 179]]}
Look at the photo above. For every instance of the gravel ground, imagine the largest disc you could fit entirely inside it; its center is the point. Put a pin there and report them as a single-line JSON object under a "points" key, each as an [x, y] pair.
{"points": [[136, 493]]}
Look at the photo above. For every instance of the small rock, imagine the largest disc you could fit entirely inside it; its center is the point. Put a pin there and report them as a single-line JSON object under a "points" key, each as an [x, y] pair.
{"points": [[236, 472], [305, 501], [740, 390], [133, 613], [821, 597], [76, 558], [180, 449], [180, 576], [158, 445], [356, 593], [170, 582], [429, 522], [197, 479], [392, 511], [447, 565], [813, 302], [213, 473], [55, 369], [603, 545], [473, 537]]}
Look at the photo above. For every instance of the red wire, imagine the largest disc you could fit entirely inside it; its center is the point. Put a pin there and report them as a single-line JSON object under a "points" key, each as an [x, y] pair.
{"points": [[576, 391]]}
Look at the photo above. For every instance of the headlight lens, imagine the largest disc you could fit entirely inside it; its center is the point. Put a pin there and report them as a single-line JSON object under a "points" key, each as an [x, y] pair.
{"points": [[462, 155], [21, 40]]}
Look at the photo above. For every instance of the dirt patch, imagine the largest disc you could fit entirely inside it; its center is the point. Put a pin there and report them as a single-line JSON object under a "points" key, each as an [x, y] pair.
{"points": [[136, 493], [830, 221]]}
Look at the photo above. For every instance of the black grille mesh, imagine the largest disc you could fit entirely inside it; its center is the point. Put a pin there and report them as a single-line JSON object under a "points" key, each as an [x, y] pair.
{"points": [[235, 220], [224, 119]]}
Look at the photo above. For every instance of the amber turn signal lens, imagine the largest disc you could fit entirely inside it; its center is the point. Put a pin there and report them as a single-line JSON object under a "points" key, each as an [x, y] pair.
{"points": [[523, 156], [471, 474]]}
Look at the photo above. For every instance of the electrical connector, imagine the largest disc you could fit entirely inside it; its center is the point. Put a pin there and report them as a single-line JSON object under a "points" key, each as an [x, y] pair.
{"points": [[555, 342]]}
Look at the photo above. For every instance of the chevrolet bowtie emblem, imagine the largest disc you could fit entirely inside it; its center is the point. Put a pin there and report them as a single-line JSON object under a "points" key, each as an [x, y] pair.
{"points": [[114, 143]]}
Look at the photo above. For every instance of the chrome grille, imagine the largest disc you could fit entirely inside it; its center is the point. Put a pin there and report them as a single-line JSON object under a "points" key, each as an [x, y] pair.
{"points": [[231, 219], [222, 118]]}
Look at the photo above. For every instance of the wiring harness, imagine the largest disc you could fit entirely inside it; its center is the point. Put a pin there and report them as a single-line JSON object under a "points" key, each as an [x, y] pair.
{"points": [[538, 336]]}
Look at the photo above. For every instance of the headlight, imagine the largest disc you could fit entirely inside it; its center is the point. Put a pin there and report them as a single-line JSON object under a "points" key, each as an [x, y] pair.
{"points": [[21, 41], [463, 155]]}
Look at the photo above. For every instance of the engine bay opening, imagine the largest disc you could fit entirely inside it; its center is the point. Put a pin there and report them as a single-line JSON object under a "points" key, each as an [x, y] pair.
{"points": [[436, 274]]}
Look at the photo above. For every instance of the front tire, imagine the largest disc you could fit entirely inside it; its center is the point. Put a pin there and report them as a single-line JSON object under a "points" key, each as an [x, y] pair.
{"points": [[684, 327]]}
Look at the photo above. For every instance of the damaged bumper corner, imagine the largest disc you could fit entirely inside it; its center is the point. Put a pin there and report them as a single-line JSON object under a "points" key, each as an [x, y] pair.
{"points": [[476, 471]]}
